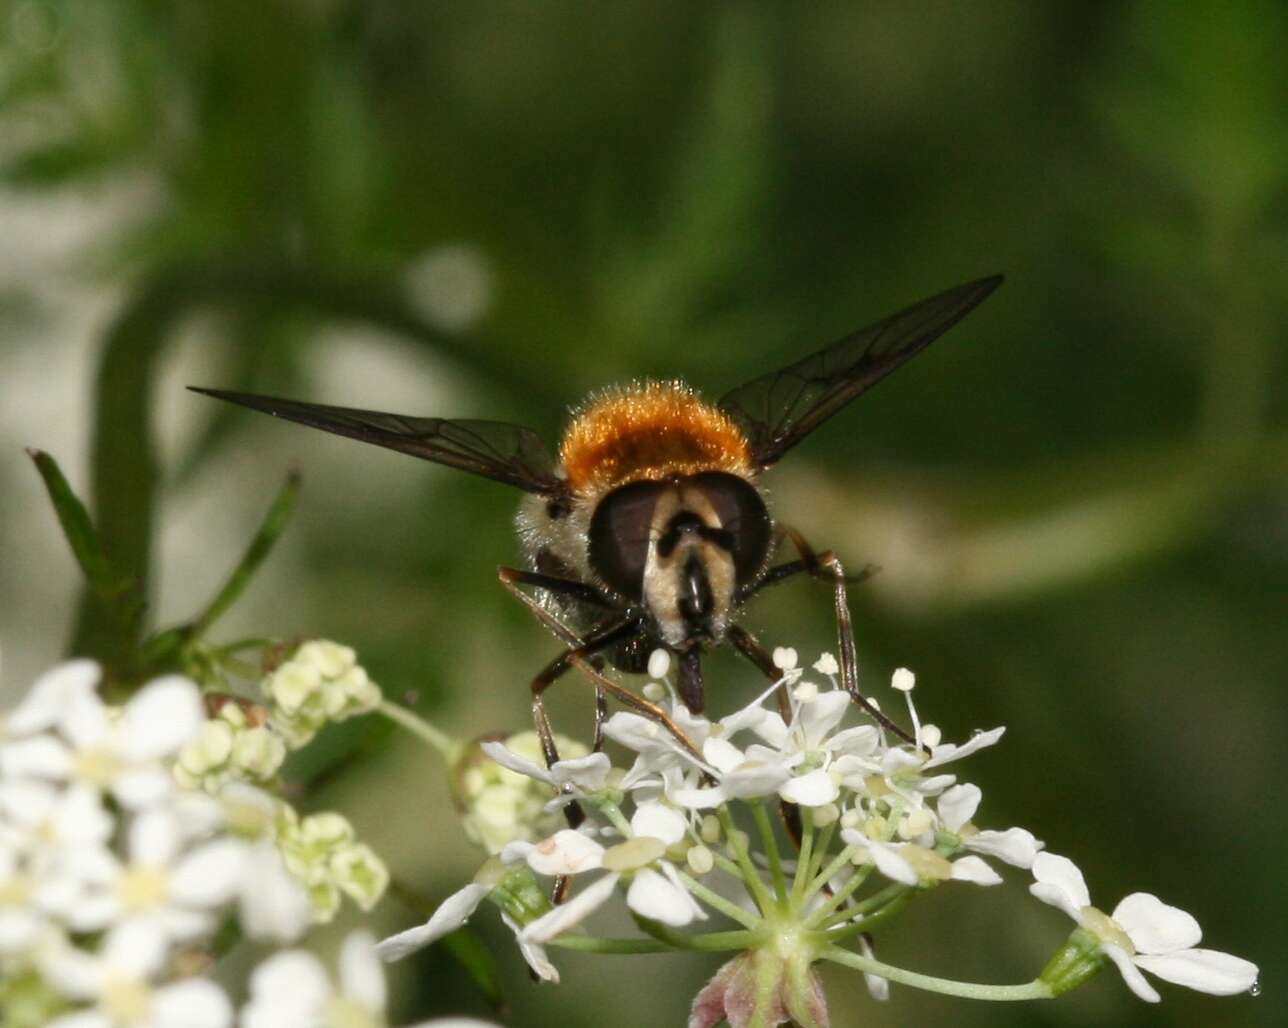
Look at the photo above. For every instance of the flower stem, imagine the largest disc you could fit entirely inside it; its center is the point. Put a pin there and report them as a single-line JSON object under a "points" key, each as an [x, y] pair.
{"points": [[439, 742], [750, 877], [1035, 989], [874, 904], [828, 873], [804, 859], [842, 894], [717, 902], [709, 942], [771, 850], [820, 851]]}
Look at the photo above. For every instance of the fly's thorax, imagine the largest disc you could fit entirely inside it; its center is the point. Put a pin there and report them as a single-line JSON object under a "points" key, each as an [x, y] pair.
{"points": [[681, 548]]}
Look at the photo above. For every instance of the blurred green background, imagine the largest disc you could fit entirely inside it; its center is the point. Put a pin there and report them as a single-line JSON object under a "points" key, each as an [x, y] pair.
{"points": [[1079, 497]]}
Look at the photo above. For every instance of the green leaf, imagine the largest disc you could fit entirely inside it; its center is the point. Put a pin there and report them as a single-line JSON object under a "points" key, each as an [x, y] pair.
{"points": [[78, 528], [260, 547]]}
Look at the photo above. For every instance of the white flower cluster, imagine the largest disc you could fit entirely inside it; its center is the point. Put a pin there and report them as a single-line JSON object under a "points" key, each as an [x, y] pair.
{"points": [[115, 877], [661, 833], [499, 806], [321, 681]]}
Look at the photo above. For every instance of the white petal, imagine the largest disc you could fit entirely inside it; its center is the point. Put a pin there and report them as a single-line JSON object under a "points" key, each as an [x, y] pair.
{"points": [[773, 729], [1153, 926], [154, 838], [749, 716], [1016, 846], [751, 779], [587, 773], [136, 948], [361, 977], [958, 805], [450, 915], [50, 695], [659, 821], [1061, 883], [81, 819], [651, 895], [721, 754], [73, 972], [878, 987], [822, 714], [698, 799], [861, 740], [28, 802], [294, 977], [274, 905], [566, 915], [567, 852], [41, 756], [84, 721], [973, 869], [195, 1003], [1206, 970], [810, 790], [142, 786], [535, 955], [210, 875], [1131, 974], [890, 864], [943, 754], [161, 717], [506, 757]]}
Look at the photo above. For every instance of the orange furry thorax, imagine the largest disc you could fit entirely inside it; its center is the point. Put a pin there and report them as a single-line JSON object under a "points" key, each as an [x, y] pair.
{"points": [[654, 430]]}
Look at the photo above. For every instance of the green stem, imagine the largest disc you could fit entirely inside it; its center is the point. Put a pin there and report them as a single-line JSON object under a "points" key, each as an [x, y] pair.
{"points": [[717, 902], [439, 742], [590, 944], [1036, 989], [868, 922], [709, 942], [750, 877], [842, 894], [260, 547], [875, 902], [820, 851], [829, 872], [804, 859], [771, 850]]}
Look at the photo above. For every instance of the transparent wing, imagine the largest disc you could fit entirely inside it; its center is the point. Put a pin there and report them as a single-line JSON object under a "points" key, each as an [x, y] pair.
{"points": [[780, 409], [493, 449]]}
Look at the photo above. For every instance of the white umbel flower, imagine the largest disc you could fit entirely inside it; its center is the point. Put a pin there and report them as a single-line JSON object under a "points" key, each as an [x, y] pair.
{"points": [[1142, 934], [117, 753]]}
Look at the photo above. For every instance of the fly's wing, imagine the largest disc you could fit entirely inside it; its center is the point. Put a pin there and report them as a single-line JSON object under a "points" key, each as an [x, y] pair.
{"points": [[494, 449], [780, 409]]}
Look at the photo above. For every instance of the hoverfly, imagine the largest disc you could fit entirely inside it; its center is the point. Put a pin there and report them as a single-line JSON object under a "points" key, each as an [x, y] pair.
{"points": [[650, 528]]}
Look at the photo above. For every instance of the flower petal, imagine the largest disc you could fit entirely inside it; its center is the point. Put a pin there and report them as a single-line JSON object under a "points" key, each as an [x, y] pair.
{"points": [[567, 852], [820, 715], [1131, 974], [566, 915], [1155, 927], [161, 717], [1206, 970], [890, 864], [958, 805], [50, 695], [195, 1003], [211, 874], [1059, 882], [659, 821], [587, 773], [1017, 846], [450, 915], [973, 869], [810, 790], [506, 757], [533, 953], [361, 977], [653, 896]]}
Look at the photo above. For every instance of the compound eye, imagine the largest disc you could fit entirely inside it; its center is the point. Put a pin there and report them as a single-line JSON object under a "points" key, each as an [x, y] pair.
{"points": [[619, 536], [744, 519]]}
